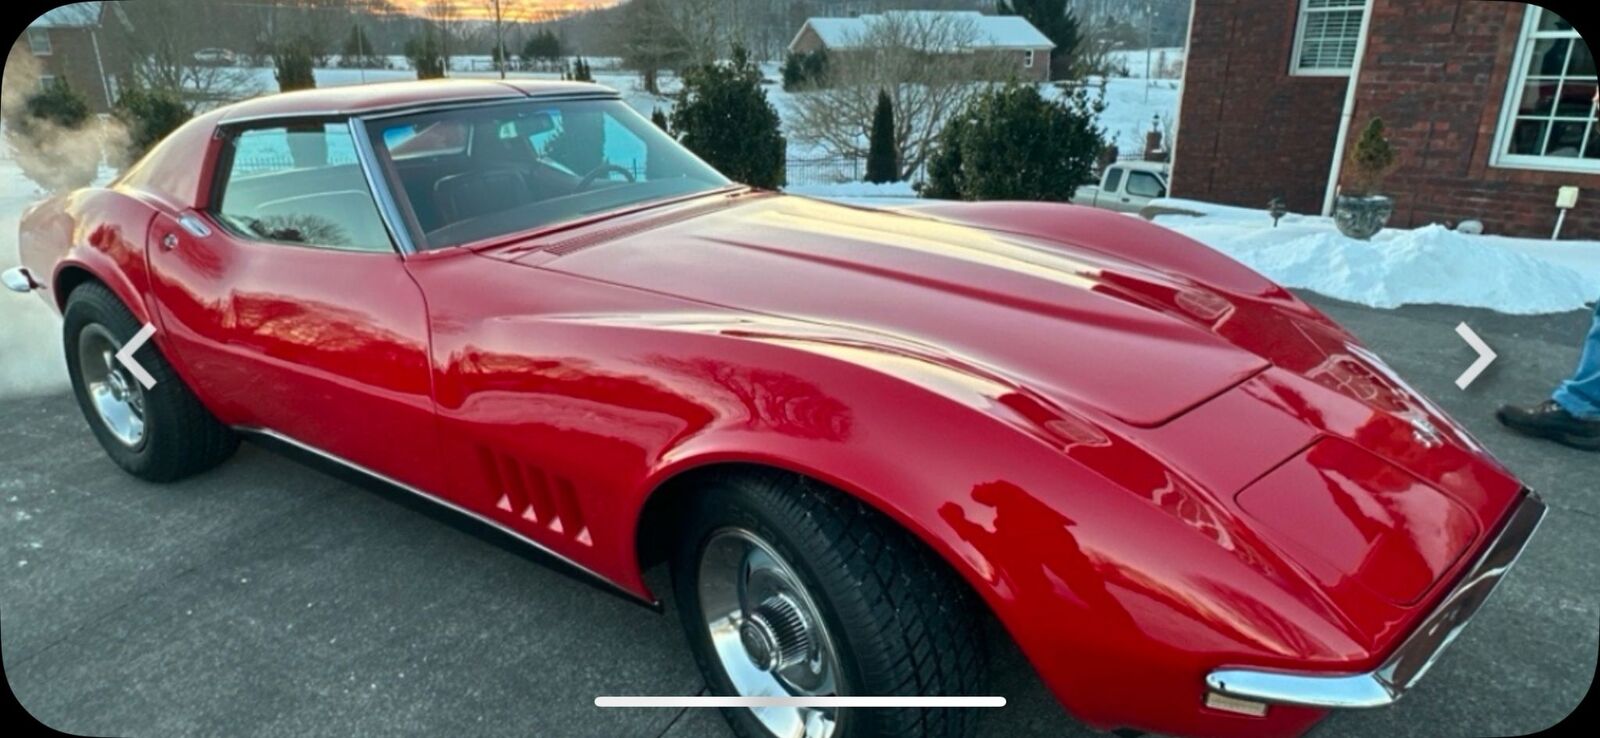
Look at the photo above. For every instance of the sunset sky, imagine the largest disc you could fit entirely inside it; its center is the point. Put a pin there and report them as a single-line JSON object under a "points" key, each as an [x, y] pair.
{"points": [[473, 8]]}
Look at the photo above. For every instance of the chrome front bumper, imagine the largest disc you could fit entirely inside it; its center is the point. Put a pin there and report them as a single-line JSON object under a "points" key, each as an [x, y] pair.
{"points": [[1411, 660], [19, 279]]}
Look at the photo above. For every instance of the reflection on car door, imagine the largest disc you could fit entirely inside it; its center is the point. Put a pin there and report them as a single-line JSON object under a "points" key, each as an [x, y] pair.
{"points": [[289, 310]]}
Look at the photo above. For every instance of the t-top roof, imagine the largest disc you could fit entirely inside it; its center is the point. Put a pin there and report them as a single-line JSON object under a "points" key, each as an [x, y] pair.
{"points": [[360, 99]]}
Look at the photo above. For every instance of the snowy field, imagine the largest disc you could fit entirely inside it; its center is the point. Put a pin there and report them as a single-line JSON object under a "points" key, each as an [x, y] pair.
{"points": [[1162, 63]]}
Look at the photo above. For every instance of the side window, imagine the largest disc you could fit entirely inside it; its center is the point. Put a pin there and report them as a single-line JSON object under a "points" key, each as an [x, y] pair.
{"points": [[301, 185], [1113, 180], [1145, 184]]}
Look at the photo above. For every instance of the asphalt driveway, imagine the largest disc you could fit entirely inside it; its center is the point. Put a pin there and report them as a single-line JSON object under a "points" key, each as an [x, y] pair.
{"points": [[268, 598]]}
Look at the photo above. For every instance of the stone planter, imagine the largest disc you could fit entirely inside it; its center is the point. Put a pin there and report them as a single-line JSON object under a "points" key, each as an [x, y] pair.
{"points": [[1362, 217]]}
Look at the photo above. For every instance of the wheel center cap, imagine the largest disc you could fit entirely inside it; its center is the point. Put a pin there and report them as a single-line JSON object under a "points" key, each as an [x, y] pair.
{"points": [[760, 643], [775, 636]]}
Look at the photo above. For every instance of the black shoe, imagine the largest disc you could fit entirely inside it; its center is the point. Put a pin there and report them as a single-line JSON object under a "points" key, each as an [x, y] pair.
{"points": [[1551, 421]]}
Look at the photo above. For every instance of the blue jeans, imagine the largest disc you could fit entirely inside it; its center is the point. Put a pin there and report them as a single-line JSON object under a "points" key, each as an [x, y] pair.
{"points": [[1580, 395]]}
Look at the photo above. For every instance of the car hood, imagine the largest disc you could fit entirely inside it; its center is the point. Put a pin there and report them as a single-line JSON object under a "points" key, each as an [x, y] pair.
{"points": [[1081, 326]]}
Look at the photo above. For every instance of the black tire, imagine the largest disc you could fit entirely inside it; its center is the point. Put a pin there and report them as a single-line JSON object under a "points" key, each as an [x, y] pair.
{"points": [[180, 437], [907, 625]]}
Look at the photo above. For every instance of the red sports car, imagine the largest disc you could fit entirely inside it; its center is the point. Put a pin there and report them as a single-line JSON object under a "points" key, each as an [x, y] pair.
{"points": [[1196, 504]]}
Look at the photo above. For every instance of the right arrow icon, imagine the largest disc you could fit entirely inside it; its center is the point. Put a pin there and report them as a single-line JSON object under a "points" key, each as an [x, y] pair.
{"points": [[1486, 356]]}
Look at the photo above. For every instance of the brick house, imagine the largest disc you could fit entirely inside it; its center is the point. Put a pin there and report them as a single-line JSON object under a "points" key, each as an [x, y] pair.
{"points": [[1011, 37], [1490, 105], [73, 43]]}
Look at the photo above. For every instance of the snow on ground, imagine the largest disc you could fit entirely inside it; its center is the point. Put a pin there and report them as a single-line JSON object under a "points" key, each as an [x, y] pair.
{"points": [[30, 354], [1428, 265], [892, 195]]}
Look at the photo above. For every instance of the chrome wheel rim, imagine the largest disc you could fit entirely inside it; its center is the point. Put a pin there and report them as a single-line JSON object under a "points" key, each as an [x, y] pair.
{"points": [[117, 397], [767, 633]]}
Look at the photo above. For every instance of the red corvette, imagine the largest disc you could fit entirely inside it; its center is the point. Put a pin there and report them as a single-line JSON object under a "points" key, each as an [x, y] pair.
{"points": [[1197, 505]]}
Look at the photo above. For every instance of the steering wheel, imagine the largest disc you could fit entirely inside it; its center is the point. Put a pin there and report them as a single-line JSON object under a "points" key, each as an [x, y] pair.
{"points": [[589, 179]]}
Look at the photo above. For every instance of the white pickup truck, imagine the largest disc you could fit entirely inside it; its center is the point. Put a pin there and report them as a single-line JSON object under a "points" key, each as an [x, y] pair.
{"points": [[1125, 186]]}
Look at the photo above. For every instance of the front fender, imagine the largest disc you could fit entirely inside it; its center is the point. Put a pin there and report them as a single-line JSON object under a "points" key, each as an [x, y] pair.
{"points": [[1119, 578]]}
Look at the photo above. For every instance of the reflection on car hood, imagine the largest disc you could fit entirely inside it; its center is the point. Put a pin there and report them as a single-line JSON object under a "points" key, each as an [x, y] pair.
{"points": [[1132, 342]]}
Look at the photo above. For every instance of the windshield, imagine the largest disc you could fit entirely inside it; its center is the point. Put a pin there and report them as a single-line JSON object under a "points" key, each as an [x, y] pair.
{"points": [[476, 173]]}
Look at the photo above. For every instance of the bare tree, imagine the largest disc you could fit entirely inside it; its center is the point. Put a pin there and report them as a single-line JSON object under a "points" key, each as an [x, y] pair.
{"points": [[446, 18], [927, 64], [161, 39], [500, 11]]}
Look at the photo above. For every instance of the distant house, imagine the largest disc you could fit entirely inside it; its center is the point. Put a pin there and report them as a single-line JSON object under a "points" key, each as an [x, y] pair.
{"points": [[1008, 36], [1491, 107], [70, 43]]}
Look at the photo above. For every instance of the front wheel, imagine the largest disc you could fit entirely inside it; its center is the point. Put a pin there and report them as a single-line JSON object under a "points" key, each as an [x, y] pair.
{"points": [[790, 589]]}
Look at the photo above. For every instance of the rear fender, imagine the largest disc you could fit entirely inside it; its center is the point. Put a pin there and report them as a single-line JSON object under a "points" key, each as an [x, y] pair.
{"points": [[100, 234]]}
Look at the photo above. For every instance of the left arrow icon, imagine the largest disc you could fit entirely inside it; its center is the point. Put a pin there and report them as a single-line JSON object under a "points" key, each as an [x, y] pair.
{"points": [[125, 356]]}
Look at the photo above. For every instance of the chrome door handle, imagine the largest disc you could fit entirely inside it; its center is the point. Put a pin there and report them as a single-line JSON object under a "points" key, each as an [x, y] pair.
{"points": [[169, 241], [194, 225]]}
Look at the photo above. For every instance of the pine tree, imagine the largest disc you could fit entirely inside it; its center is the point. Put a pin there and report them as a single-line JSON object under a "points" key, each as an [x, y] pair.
{"points": [[544, 46], [1014, 144], [809, 69], [148, 115], [358, 51], [1372, 159], [294, 60], [1057, 22], [426, 55], [723, 115], [883, 156]]}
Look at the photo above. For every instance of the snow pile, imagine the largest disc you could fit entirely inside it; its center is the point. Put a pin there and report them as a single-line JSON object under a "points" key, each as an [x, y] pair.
{"points": [[1429, 265]]}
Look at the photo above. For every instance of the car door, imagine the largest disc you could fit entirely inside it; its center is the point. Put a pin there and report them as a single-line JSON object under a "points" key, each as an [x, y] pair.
{"points": [[1111, 188], [290, 310]]}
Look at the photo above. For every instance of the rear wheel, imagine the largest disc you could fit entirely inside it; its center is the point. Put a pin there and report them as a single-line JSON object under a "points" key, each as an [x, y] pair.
{"points": [[790, 589], [161, 433]]}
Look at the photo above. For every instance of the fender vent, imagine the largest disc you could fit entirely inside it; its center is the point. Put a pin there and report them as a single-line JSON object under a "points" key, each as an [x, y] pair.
{"points": [[535, 496]]}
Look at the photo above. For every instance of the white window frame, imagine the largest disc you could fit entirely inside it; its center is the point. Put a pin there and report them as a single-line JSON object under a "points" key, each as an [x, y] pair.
{"points": [[39, 42], [1300, 36], [1516, 82], [45, 80], [1027, 58]]}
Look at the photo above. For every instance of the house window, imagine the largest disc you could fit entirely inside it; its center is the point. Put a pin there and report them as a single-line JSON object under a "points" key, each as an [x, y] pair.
{"points": [[1326, 36], [39, 41], [1549, 116], [46, 81], [1027, 59]]}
